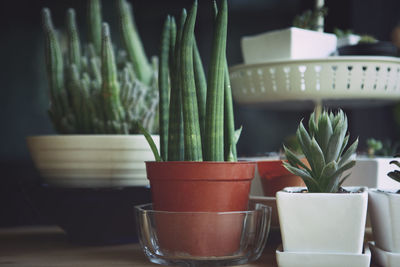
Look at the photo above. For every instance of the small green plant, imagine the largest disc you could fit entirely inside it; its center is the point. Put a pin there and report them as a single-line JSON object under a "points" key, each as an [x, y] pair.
{"points": [[367, 39], [373, 146], [309, 19], [92, 91], [196, 112], [385, 148], [342, 33], [395, 175], [324, 146]]}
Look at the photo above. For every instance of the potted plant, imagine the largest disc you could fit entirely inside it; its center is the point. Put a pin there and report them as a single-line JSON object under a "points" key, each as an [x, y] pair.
{"points": [[93, 171], [97, 100], [323, 217], [371, 169], [346, 37], [305, 39], [197, 170], [384, 209]]}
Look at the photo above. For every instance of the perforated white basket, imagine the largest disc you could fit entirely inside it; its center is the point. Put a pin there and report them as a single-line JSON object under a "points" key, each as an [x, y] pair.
{"points": [[317, 79]]}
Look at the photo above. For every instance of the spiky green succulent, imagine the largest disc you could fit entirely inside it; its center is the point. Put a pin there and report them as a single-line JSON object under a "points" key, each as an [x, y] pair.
{"points": [[196, 112], [93, 91], [324, 146], [395, 175]]}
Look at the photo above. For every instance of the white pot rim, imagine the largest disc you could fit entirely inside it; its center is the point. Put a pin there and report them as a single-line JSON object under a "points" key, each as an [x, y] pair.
{"points": [[352, 189], [385, 192]]}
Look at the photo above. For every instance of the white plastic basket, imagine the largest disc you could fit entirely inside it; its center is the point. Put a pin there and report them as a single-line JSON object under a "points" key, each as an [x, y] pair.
{"points": [[317, 79]]}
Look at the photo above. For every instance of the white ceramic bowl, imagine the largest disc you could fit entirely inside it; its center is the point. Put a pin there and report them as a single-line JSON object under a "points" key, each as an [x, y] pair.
{"points": [[91, 160]]}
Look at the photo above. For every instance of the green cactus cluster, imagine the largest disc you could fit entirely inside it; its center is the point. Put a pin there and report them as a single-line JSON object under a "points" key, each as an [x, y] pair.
{"points": [[95, 88], [196, 111], [324, 146]]}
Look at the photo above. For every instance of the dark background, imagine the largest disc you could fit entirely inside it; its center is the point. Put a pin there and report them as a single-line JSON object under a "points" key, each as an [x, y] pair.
{"points": [[23, 92]]}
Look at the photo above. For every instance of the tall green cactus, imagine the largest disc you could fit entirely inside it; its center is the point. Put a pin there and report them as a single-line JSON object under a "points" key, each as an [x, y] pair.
{"points": [[207, 106], [94, 22], [175, 131], [132, 43], [163, 87], [93, 91], [214, 131]]}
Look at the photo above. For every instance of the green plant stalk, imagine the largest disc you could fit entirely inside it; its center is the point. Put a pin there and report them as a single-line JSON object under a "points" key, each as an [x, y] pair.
{"points": [[192, 137], [55, 73], [133, 44], [175, 130], [163, 87], [94, 24], [151, 142], [214, 134], [75, 96], [114, 112], [74, 46], [201, 88], [229, 121]]}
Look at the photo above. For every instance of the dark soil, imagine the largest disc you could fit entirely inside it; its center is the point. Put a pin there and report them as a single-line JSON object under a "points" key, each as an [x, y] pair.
{"points": [[341, 191]]}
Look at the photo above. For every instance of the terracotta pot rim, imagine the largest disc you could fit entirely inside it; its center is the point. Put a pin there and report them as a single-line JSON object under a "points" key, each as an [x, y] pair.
{"points": [[201, 162], [200, 170]]}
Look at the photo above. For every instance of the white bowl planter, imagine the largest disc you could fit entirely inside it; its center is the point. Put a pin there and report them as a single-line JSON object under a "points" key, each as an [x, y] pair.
{"points": [[322, 222], [372, 173], [91, 160], [290, 43], [384, 209]]}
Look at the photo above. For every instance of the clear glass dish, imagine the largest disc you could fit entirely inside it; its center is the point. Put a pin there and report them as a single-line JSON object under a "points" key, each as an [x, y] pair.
{"points": [[203, 238]]}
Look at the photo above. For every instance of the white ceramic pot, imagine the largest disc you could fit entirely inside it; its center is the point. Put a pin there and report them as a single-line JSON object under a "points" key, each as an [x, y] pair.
{"points": [[290, 43], [322, 222], [384, 210], [372, 173], [92, 160]]}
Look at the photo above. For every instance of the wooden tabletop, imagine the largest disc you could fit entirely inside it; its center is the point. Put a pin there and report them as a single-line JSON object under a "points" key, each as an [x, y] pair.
{"points": [[48, 247]]}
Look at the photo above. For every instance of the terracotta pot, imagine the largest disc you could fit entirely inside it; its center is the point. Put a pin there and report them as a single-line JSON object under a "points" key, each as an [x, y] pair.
{"points": [[274, 177], [201, 187]]}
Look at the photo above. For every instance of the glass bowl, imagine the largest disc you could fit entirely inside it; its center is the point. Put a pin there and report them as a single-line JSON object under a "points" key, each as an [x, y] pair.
{"points": [[203, 238]]}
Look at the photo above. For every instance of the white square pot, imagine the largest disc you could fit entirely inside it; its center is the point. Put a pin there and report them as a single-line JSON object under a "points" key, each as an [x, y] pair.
{"points": [[322, 222], [372, 173], [318, 259], [384, 210], [286, 44]]}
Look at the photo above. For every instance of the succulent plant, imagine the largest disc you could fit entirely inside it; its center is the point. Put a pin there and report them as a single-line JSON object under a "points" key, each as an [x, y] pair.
{"points": [[367, 39], [373, 146], [196, 120], [93, 91], [342, 33], [385, 148], [309, 19], [395, 175], [324, 146]]}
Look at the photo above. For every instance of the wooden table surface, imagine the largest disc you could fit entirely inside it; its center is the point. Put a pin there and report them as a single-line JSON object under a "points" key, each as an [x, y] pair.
{"points": [[48, 247]]}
